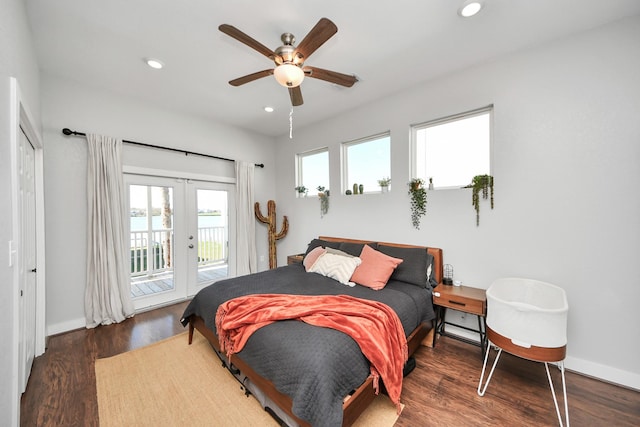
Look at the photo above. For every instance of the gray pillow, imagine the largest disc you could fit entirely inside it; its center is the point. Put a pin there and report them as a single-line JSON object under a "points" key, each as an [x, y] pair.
{"points": [[318, 242], [339, 252], [355, 248], [414, 268]]}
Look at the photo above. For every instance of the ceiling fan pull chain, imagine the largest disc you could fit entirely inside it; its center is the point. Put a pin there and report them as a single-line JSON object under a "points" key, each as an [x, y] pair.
{"points": [[291, 124]]}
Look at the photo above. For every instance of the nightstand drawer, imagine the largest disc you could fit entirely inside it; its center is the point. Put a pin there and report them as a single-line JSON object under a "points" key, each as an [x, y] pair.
{"points": [[457, 302], [295, 259], [465, 299]]}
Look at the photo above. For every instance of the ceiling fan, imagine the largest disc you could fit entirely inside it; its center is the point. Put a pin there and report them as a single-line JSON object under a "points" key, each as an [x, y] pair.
{"points": [[289, 59]]}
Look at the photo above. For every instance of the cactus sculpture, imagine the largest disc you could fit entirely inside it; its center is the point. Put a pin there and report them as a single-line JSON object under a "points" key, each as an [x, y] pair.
{"points": [[270, 220]]}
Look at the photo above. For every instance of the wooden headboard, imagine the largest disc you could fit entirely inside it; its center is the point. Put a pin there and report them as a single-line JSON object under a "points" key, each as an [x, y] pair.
{"points": [[436, 252]]}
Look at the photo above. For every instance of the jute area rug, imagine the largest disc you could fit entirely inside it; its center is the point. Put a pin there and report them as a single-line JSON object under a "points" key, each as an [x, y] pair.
{"points": [[171, 383]]}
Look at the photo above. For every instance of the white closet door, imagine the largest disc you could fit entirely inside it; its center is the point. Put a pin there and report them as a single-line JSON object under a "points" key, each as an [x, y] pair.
{"points": [[27, 272]]}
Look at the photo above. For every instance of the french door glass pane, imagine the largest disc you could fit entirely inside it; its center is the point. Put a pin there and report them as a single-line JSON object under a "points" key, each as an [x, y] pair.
{"points": [[151, 225], [213, 236]]}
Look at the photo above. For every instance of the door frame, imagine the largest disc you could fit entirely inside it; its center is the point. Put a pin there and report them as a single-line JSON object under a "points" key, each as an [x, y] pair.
{"points": [[21, 118], [188, 176]]}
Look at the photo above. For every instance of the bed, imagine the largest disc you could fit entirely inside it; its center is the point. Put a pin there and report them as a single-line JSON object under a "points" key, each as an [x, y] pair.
{"points": [[313, 375]]}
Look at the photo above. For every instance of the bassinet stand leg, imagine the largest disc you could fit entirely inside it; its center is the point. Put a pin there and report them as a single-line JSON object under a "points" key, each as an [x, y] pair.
{"points": [[484, 366], [564, 391]]}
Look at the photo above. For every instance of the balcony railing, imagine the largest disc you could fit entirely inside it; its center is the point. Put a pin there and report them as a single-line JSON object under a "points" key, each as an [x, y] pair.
{"points": [[148, 249]]}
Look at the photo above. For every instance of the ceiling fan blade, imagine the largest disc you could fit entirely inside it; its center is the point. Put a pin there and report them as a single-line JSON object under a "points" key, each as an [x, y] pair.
{"points": [[319, 34], [251, 77], [295, 93], [232, 31], [331, 76]]}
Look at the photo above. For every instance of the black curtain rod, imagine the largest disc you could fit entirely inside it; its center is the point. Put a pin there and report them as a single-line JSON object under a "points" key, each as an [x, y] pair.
{"points": [[68, 131]]}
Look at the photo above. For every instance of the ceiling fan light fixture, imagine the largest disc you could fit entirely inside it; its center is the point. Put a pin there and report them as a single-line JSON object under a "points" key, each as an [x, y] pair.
{"points": [[470, 8], [288, 75]]}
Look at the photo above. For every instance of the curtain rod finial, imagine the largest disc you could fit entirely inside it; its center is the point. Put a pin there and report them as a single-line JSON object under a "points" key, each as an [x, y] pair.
{"points": [[67, 131]]}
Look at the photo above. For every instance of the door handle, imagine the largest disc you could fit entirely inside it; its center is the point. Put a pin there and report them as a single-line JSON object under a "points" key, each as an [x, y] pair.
{"points": [[191, 246]]}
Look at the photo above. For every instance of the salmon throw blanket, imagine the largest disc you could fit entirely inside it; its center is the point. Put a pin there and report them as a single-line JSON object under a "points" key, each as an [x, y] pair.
{"points": [[373, 325]]}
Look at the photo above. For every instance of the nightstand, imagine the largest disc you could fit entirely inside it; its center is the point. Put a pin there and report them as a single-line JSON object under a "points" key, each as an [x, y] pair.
{"points": [[467, 300], [295, 259]]}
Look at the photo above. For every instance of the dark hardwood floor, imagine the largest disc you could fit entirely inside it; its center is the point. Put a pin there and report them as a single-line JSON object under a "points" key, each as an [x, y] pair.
{"points": [[441, 391], [62, 387]]}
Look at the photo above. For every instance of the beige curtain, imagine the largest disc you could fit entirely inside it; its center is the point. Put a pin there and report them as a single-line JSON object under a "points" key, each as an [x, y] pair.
{"points": [[108, 292], [246, 254]]}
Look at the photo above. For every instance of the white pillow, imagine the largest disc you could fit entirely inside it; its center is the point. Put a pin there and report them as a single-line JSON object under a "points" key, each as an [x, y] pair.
{"points": [[337, 267], [312, 257]]}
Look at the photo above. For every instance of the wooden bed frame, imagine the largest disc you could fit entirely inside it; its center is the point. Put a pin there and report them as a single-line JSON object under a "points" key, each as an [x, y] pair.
{"points": [[355, 404]]}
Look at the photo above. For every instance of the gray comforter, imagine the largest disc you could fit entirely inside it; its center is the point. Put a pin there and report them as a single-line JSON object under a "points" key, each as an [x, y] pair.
{"points": [[315, 366]]}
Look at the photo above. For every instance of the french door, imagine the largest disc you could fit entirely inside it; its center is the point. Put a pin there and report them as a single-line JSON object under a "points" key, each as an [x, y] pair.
{"points": [[181, 237], [211, 233]]}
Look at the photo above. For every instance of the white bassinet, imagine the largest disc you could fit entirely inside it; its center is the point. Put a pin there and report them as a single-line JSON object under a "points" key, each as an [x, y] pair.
{"points": [[527, 318]]}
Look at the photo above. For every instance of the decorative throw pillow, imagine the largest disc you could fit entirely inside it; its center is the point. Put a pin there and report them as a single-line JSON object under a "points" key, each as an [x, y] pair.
{"points": [[319, 242], [339, 252], [375, 269], [414, 268], [312, 257], [355, 248], [337, 267]]}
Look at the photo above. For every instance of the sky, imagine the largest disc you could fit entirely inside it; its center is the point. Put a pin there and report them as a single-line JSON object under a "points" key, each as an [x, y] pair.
{"points": [[207, 199]]}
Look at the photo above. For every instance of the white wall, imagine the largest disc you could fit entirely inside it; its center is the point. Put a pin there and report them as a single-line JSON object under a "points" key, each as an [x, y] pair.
{"points": [[84, 109], [566, 152], [17, 59]]}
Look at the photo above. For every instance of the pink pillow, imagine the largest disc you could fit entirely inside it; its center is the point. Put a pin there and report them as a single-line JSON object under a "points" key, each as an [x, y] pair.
{"points": [[375, 269], [312, 257]]}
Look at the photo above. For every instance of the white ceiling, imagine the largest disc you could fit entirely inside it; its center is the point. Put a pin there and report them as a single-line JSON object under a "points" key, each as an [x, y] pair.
{"points": [[388, 45]]}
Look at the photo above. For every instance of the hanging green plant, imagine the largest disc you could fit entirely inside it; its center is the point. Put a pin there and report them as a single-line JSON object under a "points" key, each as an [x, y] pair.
{"points": [[324, 200], [481, 184], [418, 201]]}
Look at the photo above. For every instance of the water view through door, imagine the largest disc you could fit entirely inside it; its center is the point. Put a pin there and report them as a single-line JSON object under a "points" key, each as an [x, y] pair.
{"points": [[209, 242], [179, 237]]}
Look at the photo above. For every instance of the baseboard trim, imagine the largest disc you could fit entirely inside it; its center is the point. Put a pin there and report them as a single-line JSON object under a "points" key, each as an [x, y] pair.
{"points": [[81, 323], [580, 366], [69, 325], [603, 373]]}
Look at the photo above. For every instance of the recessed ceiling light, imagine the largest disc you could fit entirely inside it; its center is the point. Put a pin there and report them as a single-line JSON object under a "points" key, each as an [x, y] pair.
{"points": [[154, 63], [470, 8], [268, 109]]}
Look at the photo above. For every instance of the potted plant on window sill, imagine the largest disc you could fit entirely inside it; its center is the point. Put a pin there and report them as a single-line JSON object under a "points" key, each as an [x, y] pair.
{"points": [[384, 184], [302, 191], [418, 201]]}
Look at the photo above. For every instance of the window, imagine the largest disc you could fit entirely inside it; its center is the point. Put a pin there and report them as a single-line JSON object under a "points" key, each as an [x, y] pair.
{"points": [[453, 150], [312, 169], [365, 161]]}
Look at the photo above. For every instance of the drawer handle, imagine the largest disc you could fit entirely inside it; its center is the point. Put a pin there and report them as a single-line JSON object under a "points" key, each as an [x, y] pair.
{"points": [[457, 303]]}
